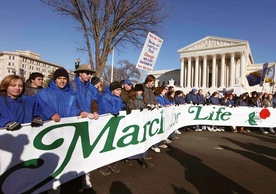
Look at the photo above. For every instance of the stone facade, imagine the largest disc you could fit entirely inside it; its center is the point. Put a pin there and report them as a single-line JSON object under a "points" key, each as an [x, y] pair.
{"points": [[24, 63], [214, 64]]}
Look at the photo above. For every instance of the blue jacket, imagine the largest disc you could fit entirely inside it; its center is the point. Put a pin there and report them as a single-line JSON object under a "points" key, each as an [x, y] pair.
{"points": [[162, 100], [85, 94], [214, 101], [192, 98], [179, 100], [201, 99], [109, 103], [21, 110], [54, 100]]}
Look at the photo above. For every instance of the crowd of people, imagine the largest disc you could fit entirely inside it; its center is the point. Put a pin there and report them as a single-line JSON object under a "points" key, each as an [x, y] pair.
{"points": [[28, 102]]}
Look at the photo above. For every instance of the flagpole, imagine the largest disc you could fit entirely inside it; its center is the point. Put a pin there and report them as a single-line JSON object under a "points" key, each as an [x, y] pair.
{"points": [[273, 85], [112, 64], [264, 78]]}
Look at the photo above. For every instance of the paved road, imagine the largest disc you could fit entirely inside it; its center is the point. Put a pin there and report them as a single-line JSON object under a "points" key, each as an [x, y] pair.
{"points": [[198, 162]]}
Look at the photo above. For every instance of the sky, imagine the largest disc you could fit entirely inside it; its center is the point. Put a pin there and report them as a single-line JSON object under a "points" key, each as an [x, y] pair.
{"points": [[32, 25]]}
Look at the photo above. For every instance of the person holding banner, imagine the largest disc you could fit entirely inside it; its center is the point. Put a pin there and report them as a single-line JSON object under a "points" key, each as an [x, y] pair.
{"points": [[267, 102], [148, 95], [136, 102], [111, 102], [126, 89], [17, 108], [59, 100]]}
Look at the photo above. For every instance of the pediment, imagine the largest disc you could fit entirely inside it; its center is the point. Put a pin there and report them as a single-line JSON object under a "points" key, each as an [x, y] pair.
{"points": [[210, 42]]}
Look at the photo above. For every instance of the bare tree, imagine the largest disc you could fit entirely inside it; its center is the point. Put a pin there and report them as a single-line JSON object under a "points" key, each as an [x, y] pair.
{"points": [[126, 70], [109, 24]]}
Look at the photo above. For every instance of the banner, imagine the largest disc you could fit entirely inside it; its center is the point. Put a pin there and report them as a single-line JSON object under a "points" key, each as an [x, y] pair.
{"points": [[149, 53], [33, 160]]}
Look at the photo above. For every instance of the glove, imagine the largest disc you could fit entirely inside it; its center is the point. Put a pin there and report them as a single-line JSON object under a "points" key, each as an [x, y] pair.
{"points": [[127, 109], [115, 115], [141, 109], [37, 122], [13, 126], [150, 106]]}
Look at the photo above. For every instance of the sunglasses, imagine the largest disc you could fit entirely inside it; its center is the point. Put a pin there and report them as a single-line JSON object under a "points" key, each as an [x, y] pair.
{"points": [[88, 73]]}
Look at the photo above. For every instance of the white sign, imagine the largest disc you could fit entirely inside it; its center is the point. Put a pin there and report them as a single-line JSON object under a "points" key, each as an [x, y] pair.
{"points": [[149, 53]]}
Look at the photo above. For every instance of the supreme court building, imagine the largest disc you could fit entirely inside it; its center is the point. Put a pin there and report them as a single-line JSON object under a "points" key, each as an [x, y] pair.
{"points": [[214, 64]]}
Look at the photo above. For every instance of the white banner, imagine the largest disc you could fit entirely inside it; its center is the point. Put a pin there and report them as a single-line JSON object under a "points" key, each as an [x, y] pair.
{"points": [[33, 160], [149, 53]]}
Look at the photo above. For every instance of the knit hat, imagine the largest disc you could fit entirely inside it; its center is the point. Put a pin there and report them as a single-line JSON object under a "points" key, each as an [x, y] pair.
{"points": [[61, 72], [115, 85], [194, 90], [139, 87], [85, 67], [95, 80]]}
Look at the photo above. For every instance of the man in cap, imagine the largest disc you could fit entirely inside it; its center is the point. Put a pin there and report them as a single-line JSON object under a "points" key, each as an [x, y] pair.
{"points": [[127, 88]]}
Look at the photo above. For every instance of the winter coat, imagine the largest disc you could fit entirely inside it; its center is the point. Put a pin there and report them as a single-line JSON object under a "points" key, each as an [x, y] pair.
{"points": [[241, 102], [136, 103], [214, 101], [109, 103], [162, 100], [54, 100], [201, 99], [85, 94], [148, 96], [179, 100], [22, 110], [192, 98]]}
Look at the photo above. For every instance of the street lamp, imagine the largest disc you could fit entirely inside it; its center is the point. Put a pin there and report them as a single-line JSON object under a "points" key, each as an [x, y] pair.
{"points": [[77, 63]]}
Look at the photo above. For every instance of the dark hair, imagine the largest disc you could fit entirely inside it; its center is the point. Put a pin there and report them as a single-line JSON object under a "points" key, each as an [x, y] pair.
{"points": [[157, 91], [35, 75], [150, 78], [169, 96]]}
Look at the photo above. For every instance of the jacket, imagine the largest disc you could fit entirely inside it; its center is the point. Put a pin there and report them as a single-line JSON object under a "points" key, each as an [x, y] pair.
{"points": [[109, 103], [54, 100], [22, 110], [148, 96], [85, 94], [29, 90]]}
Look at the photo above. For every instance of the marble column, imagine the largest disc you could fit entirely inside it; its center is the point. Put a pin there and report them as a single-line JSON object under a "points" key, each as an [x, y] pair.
{"points": [[182, 72], [189, 72], [214, 71], [222, 71], [196, 72], [242, 67], [232, 70], [204, 73]]}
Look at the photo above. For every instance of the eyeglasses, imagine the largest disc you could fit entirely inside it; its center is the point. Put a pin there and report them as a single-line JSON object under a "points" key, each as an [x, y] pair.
{"points": [[88, 73]]}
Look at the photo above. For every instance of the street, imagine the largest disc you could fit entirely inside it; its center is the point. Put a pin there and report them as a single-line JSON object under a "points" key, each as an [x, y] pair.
{"points": [[198, 162]]}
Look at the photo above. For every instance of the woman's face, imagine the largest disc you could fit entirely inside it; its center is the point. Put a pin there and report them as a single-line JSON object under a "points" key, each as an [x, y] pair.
{"points": [[15, 88]]}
